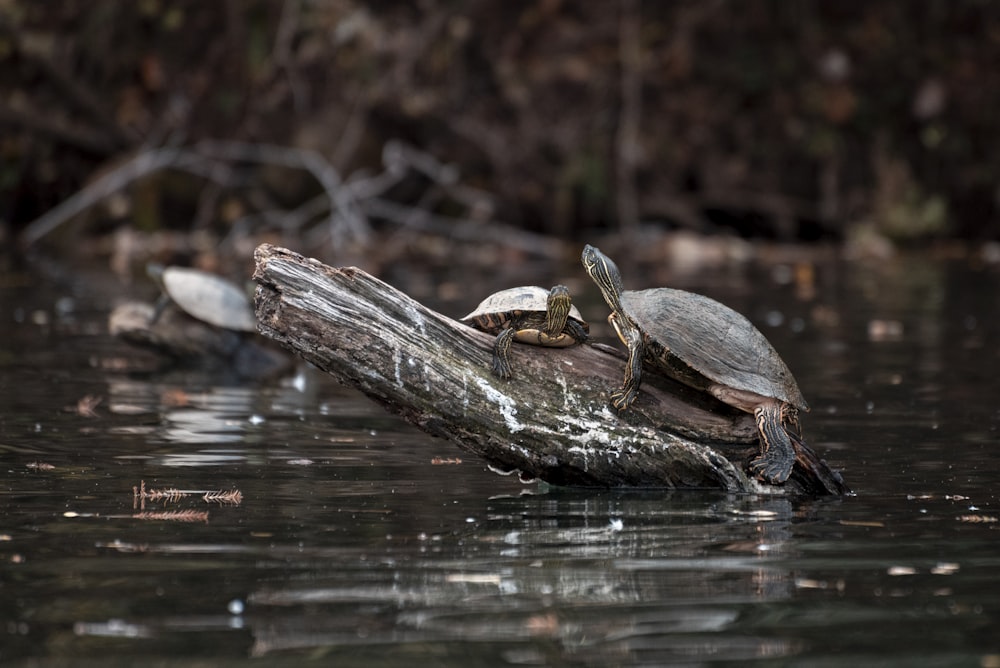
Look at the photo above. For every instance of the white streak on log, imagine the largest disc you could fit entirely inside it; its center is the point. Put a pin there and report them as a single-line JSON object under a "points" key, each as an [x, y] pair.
{"points": [[504, 404]]}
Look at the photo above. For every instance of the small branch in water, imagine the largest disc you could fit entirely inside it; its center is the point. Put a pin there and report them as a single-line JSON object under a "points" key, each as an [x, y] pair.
{"points": [[140, 495], [168, 515], [85, 406], [173, 516], [232, 497]]}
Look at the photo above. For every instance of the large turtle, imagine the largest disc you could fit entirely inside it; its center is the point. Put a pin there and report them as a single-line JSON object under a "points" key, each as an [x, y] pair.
{"points": [[528, 314], [710, 347]]}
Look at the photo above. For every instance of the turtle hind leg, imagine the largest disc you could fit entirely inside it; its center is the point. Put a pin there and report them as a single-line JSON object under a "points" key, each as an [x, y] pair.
{"points": [[774, 463], [501, 353]]}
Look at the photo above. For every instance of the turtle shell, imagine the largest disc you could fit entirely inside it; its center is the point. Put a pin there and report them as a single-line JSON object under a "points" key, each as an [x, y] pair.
{"points": [[209, 298], [714, 340], [522, 299], [497, 311]]}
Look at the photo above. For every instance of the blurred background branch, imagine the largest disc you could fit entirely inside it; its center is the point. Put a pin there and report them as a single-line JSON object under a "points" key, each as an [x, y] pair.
{"points": [[560, 119]]}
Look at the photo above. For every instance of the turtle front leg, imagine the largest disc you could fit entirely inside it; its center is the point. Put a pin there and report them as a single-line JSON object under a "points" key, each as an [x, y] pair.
{"points": [[501, 353], [631, 337], [774, 463]]}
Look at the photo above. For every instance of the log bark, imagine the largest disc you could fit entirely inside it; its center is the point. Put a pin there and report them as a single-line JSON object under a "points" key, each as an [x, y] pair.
{"points": [[551, 421]]}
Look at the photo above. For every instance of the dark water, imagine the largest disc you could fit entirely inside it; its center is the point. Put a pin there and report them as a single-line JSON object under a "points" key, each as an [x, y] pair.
{"points": [[356, 540]]}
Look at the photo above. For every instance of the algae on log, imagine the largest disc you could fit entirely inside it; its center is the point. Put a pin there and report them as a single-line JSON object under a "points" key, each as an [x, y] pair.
{"points": [[551, 421]]}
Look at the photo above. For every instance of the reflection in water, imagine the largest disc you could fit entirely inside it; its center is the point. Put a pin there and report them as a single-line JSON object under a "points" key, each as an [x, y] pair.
{"points": [[213, 415], [643, 577]]}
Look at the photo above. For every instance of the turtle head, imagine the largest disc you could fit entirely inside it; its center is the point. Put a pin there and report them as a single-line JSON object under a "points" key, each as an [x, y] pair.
{"points": [[604, 272], [557, 310], [155, 271]]}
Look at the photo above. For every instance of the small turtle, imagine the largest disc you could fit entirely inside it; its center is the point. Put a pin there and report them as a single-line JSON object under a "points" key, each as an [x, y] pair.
{"points": [[206, 297], [710, 347], [528, 314]]}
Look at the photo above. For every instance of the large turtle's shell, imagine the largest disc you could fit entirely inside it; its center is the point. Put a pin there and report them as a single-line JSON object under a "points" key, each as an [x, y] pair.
{"points": [[714, 340], [209, 298], [522, 299]]}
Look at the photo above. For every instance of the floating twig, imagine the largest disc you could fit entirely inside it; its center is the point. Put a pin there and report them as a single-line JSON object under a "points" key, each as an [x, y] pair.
{"points": [[231, 497], [140, 495], [167, 515], [440, 461], [165, 495], [86, 405], [174, 515]]}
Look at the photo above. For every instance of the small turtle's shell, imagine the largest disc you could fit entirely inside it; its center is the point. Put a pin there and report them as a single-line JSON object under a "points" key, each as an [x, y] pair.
{"points": [[714, 340], [209, 298], [500, 309]]}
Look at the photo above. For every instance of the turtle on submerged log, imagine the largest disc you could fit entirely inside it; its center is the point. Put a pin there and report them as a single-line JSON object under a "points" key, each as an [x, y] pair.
{"points": [[200, 320], [551, 422]]}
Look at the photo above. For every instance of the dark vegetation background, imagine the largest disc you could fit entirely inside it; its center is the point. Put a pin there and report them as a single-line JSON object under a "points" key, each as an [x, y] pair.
{"points": [[324, 124]]}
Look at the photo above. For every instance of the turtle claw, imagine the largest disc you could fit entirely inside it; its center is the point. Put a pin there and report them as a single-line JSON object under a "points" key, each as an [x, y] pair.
{"points": [[622, 399], [771, 470], [502, 369], [777, 456]]}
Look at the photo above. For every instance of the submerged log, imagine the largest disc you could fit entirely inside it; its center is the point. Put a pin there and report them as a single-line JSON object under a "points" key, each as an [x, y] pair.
{"points": [[188, 342], [551, 421]]}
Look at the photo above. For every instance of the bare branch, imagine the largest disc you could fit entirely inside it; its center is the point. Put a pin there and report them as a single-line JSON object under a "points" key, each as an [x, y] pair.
{"points": [[628, 137], [133, 169]]}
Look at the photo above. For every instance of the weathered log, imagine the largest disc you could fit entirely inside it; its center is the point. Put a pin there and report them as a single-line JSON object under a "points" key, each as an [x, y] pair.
{"points": [[551, 421]]}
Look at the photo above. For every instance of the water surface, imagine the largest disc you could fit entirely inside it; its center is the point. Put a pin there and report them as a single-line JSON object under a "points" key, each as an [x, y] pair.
{"points": [[337, 533]]}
